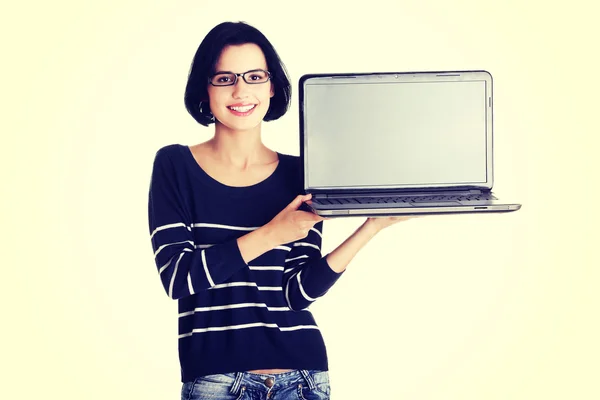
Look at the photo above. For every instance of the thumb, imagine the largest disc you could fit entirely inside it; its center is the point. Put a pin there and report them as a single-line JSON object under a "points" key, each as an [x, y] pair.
{"points": [[298, 201]]}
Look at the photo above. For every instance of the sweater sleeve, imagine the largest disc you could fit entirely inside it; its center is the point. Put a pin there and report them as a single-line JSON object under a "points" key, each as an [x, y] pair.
{"points": [[183, 268], [307, 275]]}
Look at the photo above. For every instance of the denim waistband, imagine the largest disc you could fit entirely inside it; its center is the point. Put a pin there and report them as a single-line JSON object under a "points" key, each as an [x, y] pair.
{"points": [[281, 380], [258, 382]]}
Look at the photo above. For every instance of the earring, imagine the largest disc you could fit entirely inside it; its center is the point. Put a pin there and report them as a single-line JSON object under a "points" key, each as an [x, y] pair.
{"points": [[210, 115]]}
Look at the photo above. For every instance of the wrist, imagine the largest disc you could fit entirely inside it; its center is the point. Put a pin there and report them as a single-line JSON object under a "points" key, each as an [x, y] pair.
{"points": [[371, 227], [268, 236]]}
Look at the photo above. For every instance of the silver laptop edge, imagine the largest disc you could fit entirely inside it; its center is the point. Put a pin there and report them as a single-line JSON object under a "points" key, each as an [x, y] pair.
{"points": [[320, 189]]}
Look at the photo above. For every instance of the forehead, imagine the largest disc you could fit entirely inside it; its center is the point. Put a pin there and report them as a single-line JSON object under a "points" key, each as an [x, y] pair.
{"points": [[241, 58]]}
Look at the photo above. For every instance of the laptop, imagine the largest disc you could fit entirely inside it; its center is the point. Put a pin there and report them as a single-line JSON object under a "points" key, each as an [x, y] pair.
{"points": [[398, 143]]}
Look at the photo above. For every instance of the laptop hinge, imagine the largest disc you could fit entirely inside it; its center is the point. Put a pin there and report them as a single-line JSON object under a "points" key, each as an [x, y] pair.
{"points": [[388, 193]]}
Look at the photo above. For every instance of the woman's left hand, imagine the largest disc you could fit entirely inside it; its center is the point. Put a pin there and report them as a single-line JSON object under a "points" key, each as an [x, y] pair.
{"points": [[339, 258], [380, 223]]}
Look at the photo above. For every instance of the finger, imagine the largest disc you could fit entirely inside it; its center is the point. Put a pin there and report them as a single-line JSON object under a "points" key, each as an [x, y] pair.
{"points": [[311, 217], [318, 218], [296, 202]]}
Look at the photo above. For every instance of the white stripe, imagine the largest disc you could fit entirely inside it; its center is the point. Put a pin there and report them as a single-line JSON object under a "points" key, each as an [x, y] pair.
{"points": [[173, 276], [230, 327], [298, 327], [203, 246], [233, 227], [287, 271], [270, 288], [287, 294], [234, 284], [210, 281], [316, 230], [294, 267], [225, 307], [245, 326], [190, 286], [307, 245], [286, 248], [160, 271], [296, 258], [168, 226], [307, 297], [171, 244], [232, 306], [255, 268]]}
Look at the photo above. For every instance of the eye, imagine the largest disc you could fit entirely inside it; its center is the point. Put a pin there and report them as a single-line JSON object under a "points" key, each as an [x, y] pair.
{"points": [[222, 79], [258, 76]]}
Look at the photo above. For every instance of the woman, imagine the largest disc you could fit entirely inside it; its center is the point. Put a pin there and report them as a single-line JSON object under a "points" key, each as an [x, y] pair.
{"points": [[231, 241]]}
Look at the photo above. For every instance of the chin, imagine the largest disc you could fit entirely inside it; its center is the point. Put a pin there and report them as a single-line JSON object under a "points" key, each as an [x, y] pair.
{"points": [[239, 124]]}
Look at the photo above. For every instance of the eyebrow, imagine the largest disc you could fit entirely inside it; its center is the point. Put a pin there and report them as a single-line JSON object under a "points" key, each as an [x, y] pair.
{"points": [[231, 72]]}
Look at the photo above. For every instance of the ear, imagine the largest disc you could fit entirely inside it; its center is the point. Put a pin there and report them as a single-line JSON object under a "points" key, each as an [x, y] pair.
{"points": [[272, 90]]}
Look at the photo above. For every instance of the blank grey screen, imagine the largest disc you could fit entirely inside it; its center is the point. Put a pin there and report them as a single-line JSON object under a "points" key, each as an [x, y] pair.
{"points": [[395, 134]]}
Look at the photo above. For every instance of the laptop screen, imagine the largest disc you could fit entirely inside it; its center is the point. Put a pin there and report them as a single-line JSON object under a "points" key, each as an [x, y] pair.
{"points": [[397, 131]]}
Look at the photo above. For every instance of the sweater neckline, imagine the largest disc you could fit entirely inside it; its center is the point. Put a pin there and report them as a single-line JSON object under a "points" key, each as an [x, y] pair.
{"points": [[257, 188]]}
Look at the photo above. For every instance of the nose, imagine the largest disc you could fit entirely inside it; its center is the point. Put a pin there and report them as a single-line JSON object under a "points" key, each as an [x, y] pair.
{"points": [[240, 89]]}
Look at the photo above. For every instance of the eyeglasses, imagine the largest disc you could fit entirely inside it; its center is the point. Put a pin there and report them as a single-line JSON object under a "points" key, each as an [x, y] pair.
{"points": [[252, 77]]}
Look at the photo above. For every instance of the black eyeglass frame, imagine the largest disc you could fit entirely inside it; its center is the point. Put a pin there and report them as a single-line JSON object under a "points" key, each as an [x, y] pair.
{"points": [[243, 75]]}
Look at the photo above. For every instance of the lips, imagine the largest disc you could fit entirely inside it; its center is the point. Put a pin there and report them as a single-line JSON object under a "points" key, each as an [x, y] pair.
{"points": [[242, 109]]}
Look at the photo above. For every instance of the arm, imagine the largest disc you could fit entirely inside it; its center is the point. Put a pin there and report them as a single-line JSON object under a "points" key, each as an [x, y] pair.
{"points": [[184, 269], [308, 275], [339, 258]]}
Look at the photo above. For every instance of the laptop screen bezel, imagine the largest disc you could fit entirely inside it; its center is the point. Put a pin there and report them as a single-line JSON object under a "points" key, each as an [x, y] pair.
{"points": [[428, 76]]}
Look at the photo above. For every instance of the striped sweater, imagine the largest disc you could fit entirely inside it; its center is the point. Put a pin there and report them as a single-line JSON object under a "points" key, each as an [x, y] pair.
{"points": [[234, 316]]}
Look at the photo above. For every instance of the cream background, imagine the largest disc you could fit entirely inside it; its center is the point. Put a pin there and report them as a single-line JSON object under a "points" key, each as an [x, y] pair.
{"points": [[462, 307]]}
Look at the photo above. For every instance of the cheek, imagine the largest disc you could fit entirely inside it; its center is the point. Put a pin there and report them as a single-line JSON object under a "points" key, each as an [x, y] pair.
{"points": [[267, 94], [216, 100]]}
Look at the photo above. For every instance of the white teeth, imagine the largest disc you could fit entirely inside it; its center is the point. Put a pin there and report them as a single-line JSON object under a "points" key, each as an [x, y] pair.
{"points": [[243, 109]]}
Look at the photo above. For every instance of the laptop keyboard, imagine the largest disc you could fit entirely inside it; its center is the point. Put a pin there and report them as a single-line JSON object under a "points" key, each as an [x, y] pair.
{"points": [[406, 199]]}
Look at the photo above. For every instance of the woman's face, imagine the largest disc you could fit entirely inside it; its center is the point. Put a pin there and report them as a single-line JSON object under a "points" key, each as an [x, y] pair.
{"points": [[241, 106]]}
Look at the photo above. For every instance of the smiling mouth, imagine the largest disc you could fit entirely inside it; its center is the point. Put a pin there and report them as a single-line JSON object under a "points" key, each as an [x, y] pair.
{"points": [[242, 109]]}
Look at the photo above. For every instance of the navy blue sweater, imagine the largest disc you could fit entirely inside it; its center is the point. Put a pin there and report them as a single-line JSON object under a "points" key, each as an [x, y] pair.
{"points": [[233, 316]]}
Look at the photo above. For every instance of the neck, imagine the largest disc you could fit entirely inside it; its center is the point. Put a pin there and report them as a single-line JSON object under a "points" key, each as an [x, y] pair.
{"points": [[239, 147]]}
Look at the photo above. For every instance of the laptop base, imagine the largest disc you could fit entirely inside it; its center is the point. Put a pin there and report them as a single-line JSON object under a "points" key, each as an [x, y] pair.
{"points": [[388, 212]]}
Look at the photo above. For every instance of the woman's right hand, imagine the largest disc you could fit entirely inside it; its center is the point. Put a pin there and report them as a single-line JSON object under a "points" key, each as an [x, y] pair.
{"points": [[292, 224]]}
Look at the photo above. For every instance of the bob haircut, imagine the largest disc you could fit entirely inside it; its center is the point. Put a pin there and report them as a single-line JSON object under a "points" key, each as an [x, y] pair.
{"points": [[207, 55]]}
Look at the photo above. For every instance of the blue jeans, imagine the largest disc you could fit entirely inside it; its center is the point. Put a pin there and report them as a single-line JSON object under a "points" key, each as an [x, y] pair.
{"points": [[296, 385]]}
